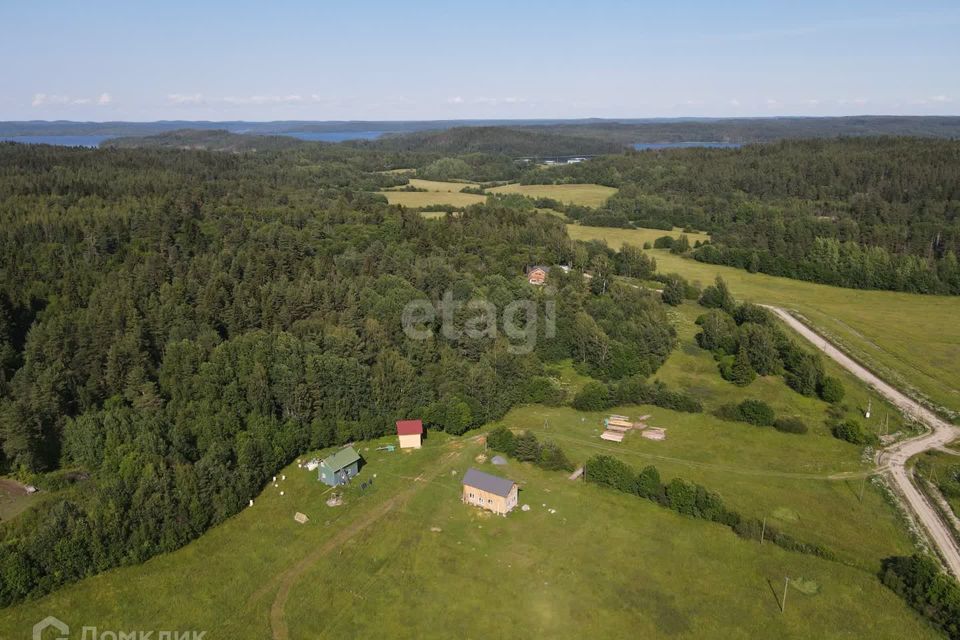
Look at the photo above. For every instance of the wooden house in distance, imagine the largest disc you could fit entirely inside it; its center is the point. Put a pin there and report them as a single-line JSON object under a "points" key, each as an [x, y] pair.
{"points": [[410, 432], [340, 467], [492, 493]]}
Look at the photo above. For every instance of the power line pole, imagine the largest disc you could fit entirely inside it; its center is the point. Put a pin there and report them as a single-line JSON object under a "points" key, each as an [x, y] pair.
{"points": [[863, 485], [763, 530]]}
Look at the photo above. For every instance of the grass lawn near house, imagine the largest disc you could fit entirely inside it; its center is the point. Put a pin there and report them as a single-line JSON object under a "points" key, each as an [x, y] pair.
{"points": [[603, 565]]}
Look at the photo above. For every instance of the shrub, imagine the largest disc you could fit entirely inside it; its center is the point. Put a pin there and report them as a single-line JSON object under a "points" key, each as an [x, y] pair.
{"points": [[919, 581], [553, 458], [663, 242], [741, 372], [718, 296], [595, 396], [527, 449], [673, 292], [790, 425], [502, 439], [831, 390], [752, 411], [852, 431]]}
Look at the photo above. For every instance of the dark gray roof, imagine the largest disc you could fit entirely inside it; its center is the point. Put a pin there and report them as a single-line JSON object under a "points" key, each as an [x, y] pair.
{"points": [[486, 482]]}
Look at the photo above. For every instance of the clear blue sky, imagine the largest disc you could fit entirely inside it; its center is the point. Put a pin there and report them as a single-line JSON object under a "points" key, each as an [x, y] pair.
{"points": [[320, 60]]}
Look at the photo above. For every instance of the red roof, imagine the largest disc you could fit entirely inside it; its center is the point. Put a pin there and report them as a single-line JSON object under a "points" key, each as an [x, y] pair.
{"points": [[409, 427]]}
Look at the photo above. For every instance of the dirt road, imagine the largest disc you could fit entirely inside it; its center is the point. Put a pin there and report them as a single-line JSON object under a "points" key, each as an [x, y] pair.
{"points": [[894, 458]]}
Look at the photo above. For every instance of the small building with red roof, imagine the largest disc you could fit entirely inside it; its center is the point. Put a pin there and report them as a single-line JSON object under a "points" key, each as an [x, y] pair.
{"points": [[410, 433]]}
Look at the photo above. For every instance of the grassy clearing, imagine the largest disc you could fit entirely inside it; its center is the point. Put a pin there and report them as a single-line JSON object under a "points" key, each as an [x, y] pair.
{"points": [[604, 565], [808, 485], [911, 340], [415, 199], [13, 499], [588, 195], [437, 193]]}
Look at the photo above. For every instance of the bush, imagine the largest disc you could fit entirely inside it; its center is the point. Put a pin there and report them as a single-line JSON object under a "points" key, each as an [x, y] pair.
{"points": [[790, 425], [673, 292], [527, 448], [852, 431], [751, 411], [502, 439], [595, 396], [831, 390], [919, 580], [663, 242], [552, 458], [718, 296], [635, 390]]}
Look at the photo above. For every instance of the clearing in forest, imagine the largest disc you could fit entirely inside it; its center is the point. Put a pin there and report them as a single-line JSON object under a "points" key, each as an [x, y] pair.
{"points": [[587, 195], [910, 340]]}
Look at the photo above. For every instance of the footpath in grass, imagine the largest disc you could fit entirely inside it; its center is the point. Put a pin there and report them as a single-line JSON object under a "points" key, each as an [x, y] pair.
{"points": [[911, 340]]}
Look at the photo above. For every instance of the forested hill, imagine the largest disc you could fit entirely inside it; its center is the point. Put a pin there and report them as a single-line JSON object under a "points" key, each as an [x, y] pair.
{"points": [[496, 140], [622, 131], [875, 213], [211, 140], [750, 130], [179, 325]]}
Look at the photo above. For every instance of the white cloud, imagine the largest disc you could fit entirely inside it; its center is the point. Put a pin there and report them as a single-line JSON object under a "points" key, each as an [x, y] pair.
{"points": [[855, 101], [53, 99], [258, 100], [940, 99], [813, 102], [455, 100], [184, 98], [734, 102]]}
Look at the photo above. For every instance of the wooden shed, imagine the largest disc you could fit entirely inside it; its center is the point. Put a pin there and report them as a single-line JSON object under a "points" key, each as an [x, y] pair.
{"points": [[492, 493], [410, 432], [340, 467]]}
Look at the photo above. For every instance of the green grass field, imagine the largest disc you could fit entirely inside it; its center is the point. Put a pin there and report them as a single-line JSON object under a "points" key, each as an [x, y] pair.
{"points": [[13, 500], [808, 485], [407, 560], [437, 193], [588, 195], [911, 340]]}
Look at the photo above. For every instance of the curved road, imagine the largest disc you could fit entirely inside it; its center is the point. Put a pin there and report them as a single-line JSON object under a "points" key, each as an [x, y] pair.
{"points": [[894, 458]]}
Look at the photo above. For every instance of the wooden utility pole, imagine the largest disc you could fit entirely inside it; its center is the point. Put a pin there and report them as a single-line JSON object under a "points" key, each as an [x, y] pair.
{"points": [[763, 530], [786, 583], [863, 485]]}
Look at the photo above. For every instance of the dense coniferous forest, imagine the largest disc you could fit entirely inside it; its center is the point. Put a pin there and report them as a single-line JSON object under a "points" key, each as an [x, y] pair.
{"points": [[872, 213], [176, 325]]}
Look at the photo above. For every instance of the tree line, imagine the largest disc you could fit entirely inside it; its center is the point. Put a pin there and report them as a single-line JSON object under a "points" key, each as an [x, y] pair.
{"points": [[176, 326]]}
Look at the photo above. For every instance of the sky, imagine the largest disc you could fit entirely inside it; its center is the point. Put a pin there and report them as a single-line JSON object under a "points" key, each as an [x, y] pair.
{"points": [[418, 60]]}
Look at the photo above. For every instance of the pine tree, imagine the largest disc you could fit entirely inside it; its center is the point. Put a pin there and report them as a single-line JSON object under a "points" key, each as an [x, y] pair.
{"points": [[742, 371]]}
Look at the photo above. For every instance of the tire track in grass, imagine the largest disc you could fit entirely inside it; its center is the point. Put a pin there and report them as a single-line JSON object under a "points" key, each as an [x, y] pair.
{"points": [[289, 578]]}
